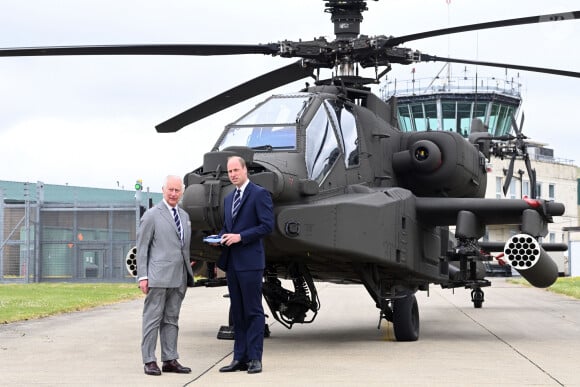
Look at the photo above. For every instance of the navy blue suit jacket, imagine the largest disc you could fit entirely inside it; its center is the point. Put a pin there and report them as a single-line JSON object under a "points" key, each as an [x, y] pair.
{"points": [[255, 220]]}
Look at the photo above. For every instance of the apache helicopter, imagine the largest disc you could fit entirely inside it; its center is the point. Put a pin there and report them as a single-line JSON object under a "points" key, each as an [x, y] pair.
{"points": [[356, 200]]}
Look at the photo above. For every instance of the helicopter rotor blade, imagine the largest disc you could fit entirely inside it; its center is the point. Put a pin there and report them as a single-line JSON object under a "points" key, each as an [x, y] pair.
{"points": [[433, 58], [482, 26], [280, 77], [144, 49], [532, 176], [509, 174], [515, 126]]}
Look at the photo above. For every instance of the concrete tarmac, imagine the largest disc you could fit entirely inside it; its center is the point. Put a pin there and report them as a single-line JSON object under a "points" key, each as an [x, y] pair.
{"points": [[521, 337]]}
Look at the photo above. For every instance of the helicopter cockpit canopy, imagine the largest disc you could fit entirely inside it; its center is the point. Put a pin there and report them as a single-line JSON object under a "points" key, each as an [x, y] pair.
{"points": [[271, 126], [331, 132], [275, 125]]}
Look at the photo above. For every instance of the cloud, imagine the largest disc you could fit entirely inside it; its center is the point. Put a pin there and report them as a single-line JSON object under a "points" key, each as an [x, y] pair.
{"points": [[90, 120]]}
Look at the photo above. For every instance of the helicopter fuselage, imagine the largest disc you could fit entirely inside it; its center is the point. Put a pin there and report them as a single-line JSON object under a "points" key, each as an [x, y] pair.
{"points": [[357, 201], [344, 181]]}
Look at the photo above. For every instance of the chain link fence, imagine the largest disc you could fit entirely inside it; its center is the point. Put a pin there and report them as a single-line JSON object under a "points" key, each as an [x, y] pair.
{"points": [[58, 242]]}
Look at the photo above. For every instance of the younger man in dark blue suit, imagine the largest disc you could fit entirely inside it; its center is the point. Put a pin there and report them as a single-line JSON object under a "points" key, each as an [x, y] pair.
{"points": [[249, 216]]}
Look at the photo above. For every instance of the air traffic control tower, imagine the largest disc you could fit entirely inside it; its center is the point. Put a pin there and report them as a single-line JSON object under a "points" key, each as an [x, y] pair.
{"points": [[451, 103]]}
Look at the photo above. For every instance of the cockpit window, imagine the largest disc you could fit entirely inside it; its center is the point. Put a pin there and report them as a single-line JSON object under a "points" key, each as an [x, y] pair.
{"points": [[348, 135], [270, 126], [261, 137], [322, 149], [276, 110]]}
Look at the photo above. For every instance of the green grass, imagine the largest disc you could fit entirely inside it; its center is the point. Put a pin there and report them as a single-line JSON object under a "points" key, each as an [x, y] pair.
{"points": [[29, 301], [569, 286]]}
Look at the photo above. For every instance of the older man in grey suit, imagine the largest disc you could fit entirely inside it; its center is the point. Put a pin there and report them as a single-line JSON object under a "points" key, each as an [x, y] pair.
{"points": [[163, 272]]}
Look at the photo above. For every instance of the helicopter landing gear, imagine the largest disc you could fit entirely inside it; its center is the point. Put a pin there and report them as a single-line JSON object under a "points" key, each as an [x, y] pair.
{"points": [[477, 297], [406, 318], [403, 312]]}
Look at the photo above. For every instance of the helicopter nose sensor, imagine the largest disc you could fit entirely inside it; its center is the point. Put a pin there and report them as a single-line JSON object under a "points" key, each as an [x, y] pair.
{"points": [[427, 155], [439, 164], [421, 154]]}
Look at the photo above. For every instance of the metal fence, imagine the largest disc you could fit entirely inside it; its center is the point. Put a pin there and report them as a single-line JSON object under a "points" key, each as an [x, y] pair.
{"points": [[79, 242]]}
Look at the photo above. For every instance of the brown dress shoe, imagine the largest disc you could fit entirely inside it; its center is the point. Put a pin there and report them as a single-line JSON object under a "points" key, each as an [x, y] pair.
{"points": [[174, 366], [151, 368]]}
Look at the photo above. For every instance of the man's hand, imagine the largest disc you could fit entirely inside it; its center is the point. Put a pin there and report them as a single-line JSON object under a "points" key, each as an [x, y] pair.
{"points": [[230, 239], [144, 286]]}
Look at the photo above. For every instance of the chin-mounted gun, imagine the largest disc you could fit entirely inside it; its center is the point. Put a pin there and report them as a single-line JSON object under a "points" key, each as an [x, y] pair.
{"points": [[289, 307]]}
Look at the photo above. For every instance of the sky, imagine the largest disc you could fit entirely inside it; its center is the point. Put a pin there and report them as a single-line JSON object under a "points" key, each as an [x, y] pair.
{"points": [[90, 121]]}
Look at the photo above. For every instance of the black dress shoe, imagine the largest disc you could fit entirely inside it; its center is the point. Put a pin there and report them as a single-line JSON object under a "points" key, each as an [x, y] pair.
{"points": [[151, 368], [174, 366], [254, 367], [235, 365]]}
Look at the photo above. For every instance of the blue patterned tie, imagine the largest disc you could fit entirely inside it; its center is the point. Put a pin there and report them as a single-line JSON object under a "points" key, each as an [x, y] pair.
{"points": [[236, 205], [177, 222]]}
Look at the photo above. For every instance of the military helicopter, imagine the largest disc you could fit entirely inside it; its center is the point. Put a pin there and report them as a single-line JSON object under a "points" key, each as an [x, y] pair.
{"points": [[357, 201]]}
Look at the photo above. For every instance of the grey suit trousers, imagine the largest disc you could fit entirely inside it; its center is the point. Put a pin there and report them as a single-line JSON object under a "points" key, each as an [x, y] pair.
{"points": [[154, 324]]}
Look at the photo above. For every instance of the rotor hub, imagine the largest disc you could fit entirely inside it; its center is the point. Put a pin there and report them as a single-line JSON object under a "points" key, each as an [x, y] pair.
{"points": [[346, 16]]}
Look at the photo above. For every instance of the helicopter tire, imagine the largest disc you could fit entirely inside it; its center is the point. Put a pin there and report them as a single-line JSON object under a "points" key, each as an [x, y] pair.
{"points": [[477, 297], [406, 318]]}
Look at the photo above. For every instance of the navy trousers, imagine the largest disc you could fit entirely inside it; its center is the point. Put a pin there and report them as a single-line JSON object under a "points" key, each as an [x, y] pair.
{"points": [[245, 288]]}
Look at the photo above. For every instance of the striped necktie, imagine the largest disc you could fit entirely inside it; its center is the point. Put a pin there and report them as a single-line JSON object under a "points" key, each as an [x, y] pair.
{"points": [[236, 204], [177, 222]]}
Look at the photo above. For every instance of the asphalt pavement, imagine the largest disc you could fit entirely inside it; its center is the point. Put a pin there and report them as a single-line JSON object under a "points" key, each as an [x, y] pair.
{"points": [[521, 337]]}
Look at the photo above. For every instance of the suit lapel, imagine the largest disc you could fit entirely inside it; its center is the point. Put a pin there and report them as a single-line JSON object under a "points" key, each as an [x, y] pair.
{"points": [[228, 209], [166, 214]]}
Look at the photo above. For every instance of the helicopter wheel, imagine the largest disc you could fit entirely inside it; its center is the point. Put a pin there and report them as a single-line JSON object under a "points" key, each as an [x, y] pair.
{"points": [[477, 297], [406, 318]]}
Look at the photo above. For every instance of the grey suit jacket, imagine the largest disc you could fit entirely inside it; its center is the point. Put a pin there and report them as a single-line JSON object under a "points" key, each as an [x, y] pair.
{"points": [[161, 257]]}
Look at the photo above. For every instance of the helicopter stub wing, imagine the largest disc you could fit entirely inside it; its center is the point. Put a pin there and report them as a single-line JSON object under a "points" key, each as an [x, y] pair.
{"points": [[523, 251], [444, 211]]}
